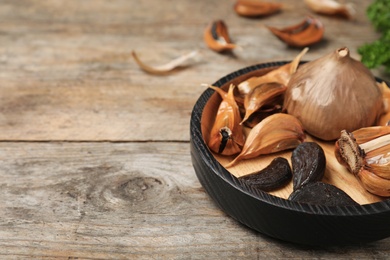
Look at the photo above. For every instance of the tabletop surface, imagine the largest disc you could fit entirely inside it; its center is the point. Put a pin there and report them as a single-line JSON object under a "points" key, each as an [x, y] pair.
{"points": [[94, 152]]}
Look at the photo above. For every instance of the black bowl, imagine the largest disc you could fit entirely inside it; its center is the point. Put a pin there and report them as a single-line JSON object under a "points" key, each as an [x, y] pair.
{"points": [[277, 217]]}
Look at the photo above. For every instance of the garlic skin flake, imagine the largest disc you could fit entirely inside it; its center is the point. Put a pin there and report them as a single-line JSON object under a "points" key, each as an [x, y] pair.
{"points": [[280, 75], [306, 33], [216, 37], [278, 132], [331, 7], [227, 136], [261, 96], [256, 8], [333, 93], [165, 68]]}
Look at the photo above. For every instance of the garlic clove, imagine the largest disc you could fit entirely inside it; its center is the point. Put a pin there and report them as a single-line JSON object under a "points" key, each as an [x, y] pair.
{"points": [[306, 33], [276, 175], [366, 134], [253, 8], [357, 155], [331, 7], [217, 38], [380, 155], [226, 136], [375, 143], [373, 183], [275, 133], [321, 193], [349, 153], [381, 170], [280, 75], [260, 96], [369, 161], [333, 93], [308, 164]]}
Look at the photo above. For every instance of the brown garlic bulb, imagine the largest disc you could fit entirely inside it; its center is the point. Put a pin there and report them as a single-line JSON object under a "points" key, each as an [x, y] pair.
{"points": [[333, 93]]}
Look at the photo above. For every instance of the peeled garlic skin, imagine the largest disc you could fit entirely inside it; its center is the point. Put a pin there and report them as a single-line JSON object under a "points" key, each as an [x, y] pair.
{"points": [[333, 93]]}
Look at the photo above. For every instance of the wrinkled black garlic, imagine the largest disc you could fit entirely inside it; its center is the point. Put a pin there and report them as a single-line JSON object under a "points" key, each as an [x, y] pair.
{"points": [[320, 193], [308, 164], [276, 175]]}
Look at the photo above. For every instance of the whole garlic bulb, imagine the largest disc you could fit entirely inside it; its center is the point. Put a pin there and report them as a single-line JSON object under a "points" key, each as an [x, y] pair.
{"points": [[333, 93]]}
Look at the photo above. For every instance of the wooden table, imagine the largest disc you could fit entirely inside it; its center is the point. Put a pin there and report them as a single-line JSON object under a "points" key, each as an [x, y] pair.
{"points": [[94, 152]]}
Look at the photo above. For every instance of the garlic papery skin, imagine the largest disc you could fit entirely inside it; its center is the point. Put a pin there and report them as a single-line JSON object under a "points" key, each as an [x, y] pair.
{"points": [[331, 7], [333, 93]]}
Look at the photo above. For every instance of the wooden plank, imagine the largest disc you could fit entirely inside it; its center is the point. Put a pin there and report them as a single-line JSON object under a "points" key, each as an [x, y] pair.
{"points": [[67, 74], [125, 201]]}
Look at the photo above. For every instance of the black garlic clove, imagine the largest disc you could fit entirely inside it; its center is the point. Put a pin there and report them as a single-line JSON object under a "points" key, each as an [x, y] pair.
{"points": [[320, 193], [308, 164], [276, 175]]}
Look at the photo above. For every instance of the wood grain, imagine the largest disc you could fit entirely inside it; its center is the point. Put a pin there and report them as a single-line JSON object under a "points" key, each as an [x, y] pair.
{"points": [[67, 72], [94, 153], [125, 201]]}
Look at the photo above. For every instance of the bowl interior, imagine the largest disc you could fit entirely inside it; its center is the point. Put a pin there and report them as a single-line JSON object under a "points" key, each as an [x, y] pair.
{"points": [[335, 173]]}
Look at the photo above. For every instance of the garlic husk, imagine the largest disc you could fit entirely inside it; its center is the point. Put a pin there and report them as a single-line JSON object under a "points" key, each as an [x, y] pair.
{"points": [[278, 132], [307, 32], [166, 68], [280, 75], [331, 7], [333, 93], [216, 37], [254, 8], [226, 136]]}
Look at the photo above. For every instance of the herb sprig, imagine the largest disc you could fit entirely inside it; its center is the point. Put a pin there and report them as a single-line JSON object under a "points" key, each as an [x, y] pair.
{"points": [[377, 53]]}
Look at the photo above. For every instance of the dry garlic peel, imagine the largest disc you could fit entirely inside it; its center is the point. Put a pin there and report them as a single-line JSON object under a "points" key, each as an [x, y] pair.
{"points": [[331, 7], [374, 184], [333, 93], [260, 96], [166, 68], [255, 8], [306, 33], [380, 169], [275, 133], [272, 107], [280, 75], [379, 156], [226, 135], [217, 38]]}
